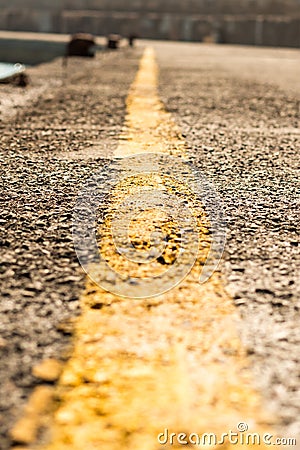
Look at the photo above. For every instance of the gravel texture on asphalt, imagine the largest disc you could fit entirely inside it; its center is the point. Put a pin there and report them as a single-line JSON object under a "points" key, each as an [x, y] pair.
{"points": [[54, 134], [238, 108]]}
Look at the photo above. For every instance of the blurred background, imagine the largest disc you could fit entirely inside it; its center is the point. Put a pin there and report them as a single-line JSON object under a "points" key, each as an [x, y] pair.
{"points": [[252, 22]]}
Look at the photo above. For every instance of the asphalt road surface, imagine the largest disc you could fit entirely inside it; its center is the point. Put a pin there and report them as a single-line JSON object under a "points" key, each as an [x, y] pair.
{"points": [[238, 111]]}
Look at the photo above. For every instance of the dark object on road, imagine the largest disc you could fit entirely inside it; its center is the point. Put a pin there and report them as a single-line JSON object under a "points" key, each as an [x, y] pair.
{"points": [[14, 74], [131, 38], [113, 41], [22, 80], [81, 44]]}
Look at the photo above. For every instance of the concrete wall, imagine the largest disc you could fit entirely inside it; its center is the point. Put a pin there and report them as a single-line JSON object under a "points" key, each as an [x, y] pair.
{"points": [[260, 22], [261, 30], [161, 6]]}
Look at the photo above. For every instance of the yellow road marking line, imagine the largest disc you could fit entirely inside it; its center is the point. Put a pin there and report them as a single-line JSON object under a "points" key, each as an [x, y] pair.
{"points": [[141, 366], [148, 126]]}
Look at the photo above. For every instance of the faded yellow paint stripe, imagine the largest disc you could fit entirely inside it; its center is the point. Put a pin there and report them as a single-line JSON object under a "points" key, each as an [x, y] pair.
{"points": [[148, 126], [174, 361]]}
